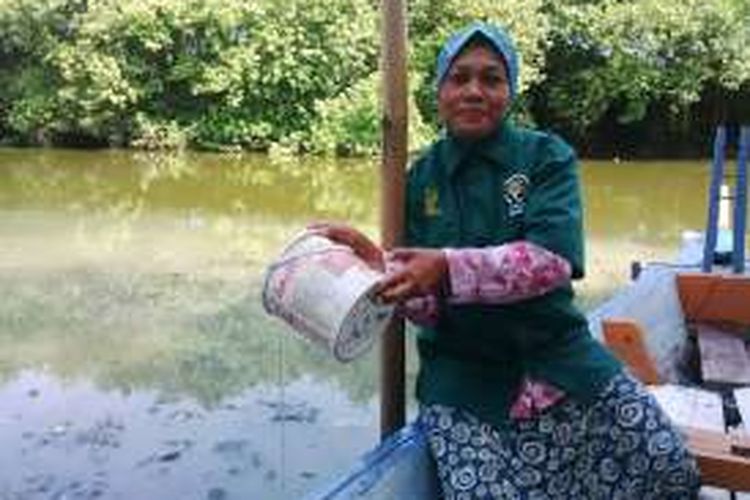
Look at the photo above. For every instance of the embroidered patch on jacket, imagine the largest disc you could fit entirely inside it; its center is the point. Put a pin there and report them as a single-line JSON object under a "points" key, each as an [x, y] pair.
{"points": [[431, 202], [514, 191]]}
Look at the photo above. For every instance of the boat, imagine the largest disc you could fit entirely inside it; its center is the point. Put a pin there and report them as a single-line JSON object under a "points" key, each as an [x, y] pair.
{"points": [[682, 328]]}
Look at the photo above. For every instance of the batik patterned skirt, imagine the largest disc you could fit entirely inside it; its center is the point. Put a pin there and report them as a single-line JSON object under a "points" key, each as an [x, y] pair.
{"points": [[621, 446]]}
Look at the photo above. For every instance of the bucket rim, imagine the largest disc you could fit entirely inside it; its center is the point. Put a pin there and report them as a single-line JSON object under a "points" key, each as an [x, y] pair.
{"points": [[366, 298]]}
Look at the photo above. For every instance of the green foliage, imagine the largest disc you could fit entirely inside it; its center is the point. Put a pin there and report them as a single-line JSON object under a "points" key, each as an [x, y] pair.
{"points": [[349, 123], [225, 71], [154, 135], [29, 31], [302, 75], [625, 56]]}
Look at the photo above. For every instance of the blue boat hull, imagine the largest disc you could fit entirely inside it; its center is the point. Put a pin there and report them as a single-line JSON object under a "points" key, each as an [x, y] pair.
{"points": [[400, 467]]}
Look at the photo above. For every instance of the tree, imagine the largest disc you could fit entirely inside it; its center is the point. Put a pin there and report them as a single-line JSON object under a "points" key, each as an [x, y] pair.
{"points": [[621, 57]]}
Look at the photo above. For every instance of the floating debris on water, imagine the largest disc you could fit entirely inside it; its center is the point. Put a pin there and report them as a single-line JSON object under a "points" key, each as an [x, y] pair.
{"points": [[284, 411], [217, 494], [174, 451], [231, 446], [103, 434]]}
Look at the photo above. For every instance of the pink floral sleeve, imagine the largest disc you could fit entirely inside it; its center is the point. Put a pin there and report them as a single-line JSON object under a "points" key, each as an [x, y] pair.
{"points": [[534, 397], [505, 273], [493, 275], [421, 310]]}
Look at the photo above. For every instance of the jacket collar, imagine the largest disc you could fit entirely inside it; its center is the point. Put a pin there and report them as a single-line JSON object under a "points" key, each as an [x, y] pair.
{"points": [[491, 148]]}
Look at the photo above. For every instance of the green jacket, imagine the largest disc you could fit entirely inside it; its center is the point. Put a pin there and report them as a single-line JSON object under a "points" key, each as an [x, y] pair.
{"points": [[515, 185]]}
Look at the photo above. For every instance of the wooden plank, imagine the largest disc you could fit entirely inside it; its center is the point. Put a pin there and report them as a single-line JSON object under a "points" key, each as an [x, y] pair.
{"points": [[705, 439], [723, 469], [720, 458], [711, 493], [625, 338], [724, 357], [715, 297], [739, 442], [736, 443], [691, 407], [742, 397]]}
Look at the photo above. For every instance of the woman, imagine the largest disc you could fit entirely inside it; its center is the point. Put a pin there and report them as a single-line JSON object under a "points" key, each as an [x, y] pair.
{"points": [[517, 399]]}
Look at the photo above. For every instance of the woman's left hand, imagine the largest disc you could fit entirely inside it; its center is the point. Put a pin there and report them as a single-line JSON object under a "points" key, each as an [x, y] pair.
{"points": [[417, 272], [344, 234]]}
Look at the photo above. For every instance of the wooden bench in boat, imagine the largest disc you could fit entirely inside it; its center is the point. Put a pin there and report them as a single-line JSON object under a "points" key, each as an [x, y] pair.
{"points": [[724, 358], [715, 298], [718, 308]]}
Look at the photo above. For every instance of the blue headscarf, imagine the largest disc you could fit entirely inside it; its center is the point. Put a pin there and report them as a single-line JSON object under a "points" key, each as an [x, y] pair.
{"points": [[497, 37]]}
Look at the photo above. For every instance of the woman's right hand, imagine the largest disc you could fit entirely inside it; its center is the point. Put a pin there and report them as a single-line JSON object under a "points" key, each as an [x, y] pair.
{"points": [[363, 246], [413, 273]]}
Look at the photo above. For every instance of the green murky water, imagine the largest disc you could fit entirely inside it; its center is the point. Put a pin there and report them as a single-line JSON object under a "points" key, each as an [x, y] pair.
{"points": [[135, 359]]}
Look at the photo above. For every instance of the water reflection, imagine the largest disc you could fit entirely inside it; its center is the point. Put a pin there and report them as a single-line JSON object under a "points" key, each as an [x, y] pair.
{"points": [[75, 441], [132, 341]]}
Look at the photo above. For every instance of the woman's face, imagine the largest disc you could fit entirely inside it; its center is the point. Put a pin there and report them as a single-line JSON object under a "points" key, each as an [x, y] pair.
{"points": [[474, 94]]}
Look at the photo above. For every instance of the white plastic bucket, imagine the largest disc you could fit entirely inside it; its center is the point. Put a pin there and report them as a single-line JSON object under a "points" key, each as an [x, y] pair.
{"points": [[324, 291]]}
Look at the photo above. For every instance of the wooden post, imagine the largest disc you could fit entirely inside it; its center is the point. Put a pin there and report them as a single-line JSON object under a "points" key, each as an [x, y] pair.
{"points": [[394, 155]]}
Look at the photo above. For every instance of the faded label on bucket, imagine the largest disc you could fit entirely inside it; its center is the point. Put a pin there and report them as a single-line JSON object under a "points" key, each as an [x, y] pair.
{"points": [[322, 293], [327, 306]]}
